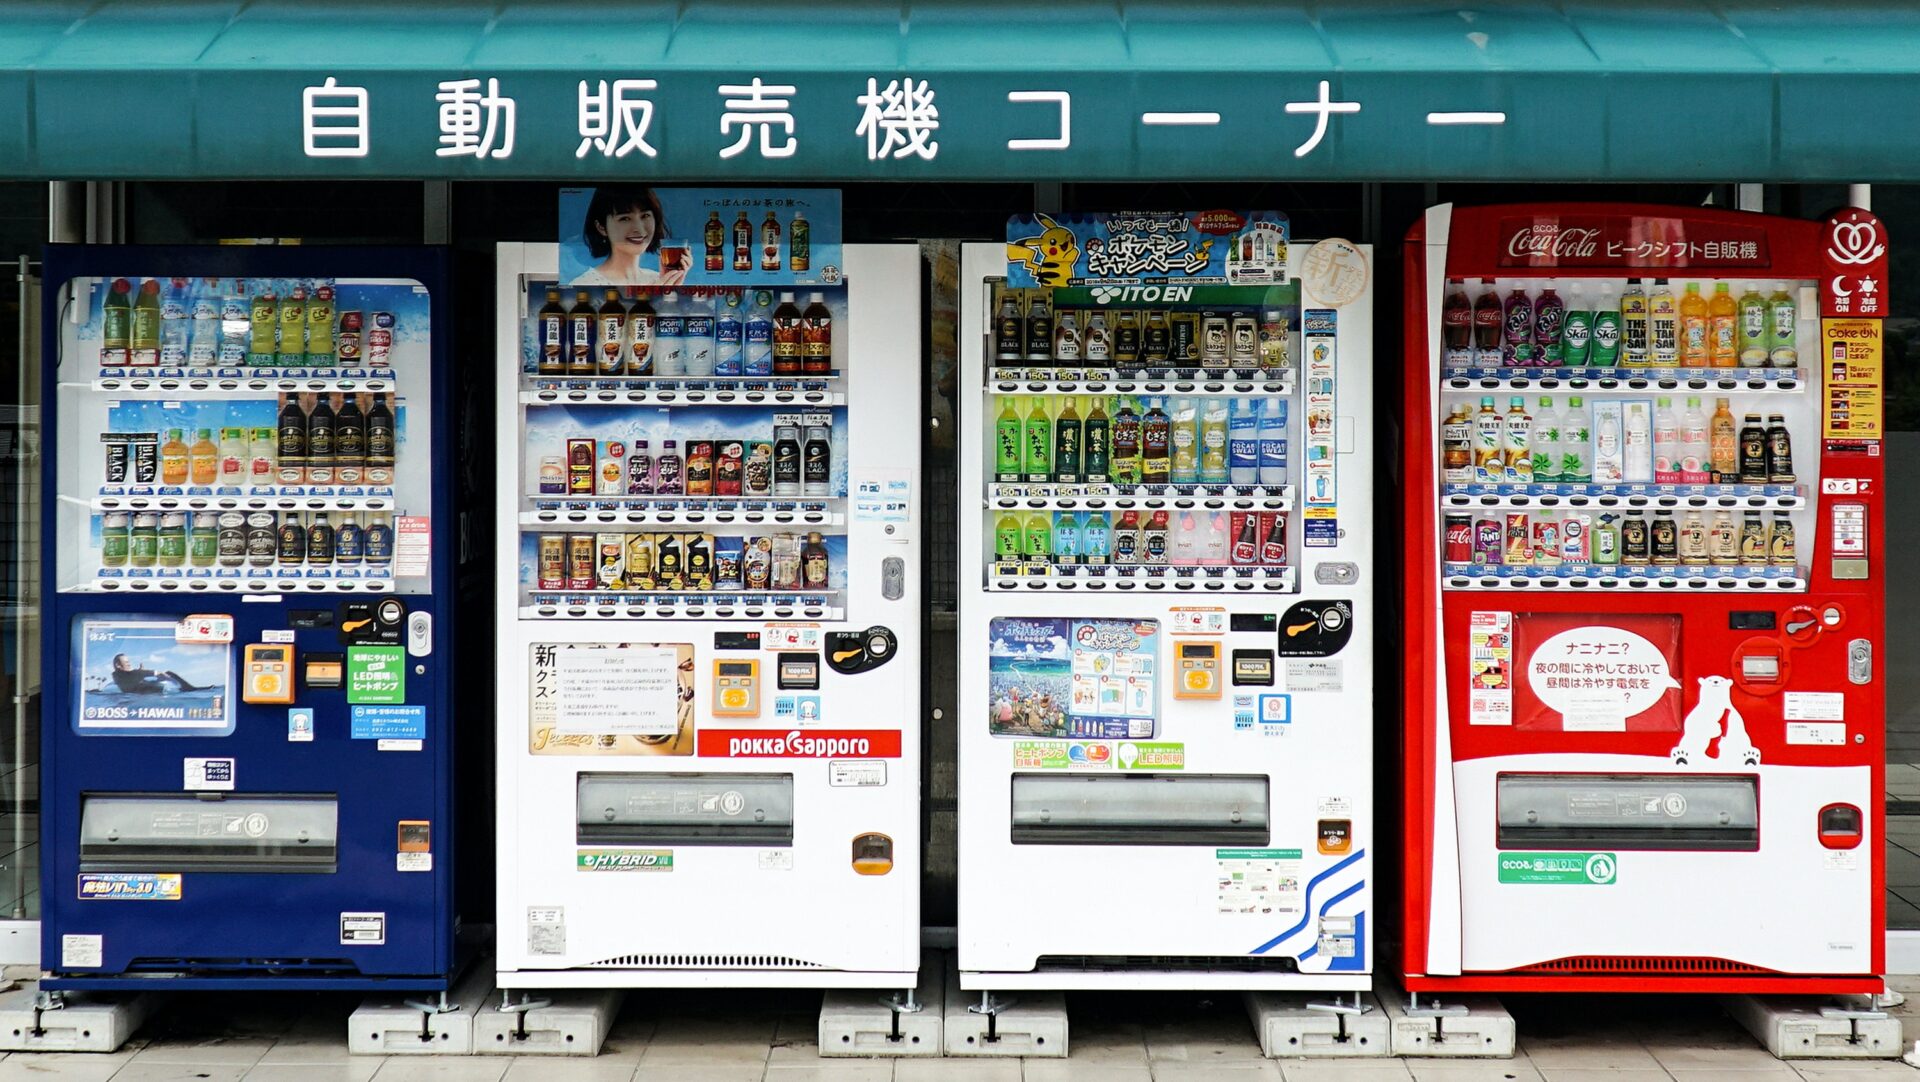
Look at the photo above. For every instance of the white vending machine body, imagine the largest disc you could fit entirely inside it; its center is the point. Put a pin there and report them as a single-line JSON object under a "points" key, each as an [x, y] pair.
{"points": [[708, 776], [1166, 762]]}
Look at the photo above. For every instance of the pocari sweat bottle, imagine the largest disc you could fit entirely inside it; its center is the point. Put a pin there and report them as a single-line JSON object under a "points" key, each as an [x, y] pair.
{"points": [[1273, 443], [1243, 443]]}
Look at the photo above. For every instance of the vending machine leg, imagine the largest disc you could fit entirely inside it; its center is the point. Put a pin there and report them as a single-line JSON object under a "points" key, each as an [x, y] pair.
{"points": [[1297, 1024], [568, 1023], [1034, 1025], [441, 1025], [1472, 1025], [908, 1022], [1814, 1027], [32, 1020]]}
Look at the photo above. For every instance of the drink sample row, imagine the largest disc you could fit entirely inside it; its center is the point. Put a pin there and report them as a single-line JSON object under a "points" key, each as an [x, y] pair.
{"points": [[256, 539], [326, 439], [1634, 328], [1551, 539], [715, 234], [212, 321], [1038, 541], [673, 562], [1204, 441], [698, 333], [798, 461], [1032, 331], [1616, 441], [324, 446]]}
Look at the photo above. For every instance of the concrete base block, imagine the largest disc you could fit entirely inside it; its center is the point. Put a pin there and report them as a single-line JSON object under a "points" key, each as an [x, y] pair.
{"points": [[1464, 1025], [863, 1023], [1026, 1023], [574, 1023], [1818, 1027], [88, 1023], [1289, 1025], [397, 1026]]}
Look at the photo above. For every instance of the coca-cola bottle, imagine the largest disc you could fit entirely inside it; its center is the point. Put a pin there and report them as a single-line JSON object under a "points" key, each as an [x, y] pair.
{"points": [[1456, 317], [1487, 319]]}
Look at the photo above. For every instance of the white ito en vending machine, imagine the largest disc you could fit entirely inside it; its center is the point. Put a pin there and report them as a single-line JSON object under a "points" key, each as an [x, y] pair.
{"points": [[1166, 563], [708, 625]]}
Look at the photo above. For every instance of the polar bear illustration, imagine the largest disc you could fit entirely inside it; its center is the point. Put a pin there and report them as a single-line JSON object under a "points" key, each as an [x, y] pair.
{"points": [[1703, 724]]}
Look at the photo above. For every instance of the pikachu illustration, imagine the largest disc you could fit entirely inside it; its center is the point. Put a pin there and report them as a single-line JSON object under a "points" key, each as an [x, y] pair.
{"points": [[1050, 257]]}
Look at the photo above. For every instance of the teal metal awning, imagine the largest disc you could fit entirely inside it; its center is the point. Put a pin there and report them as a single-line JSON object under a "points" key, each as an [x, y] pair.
{"points": [[1028, 90]]}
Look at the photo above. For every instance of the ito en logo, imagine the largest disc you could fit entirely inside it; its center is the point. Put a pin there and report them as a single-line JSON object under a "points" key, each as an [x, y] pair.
{"points": [[1601, 868], [1139, 294]]}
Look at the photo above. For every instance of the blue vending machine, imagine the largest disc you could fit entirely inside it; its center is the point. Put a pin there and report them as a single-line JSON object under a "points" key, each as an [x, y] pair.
{"points": [[246, 725]]}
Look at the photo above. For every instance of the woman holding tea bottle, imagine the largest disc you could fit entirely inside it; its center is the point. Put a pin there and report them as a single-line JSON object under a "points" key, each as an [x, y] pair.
{"points": [[623, 224]]}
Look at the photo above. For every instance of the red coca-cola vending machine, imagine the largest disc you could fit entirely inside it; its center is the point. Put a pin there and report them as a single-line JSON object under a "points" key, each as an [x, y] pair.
{"points": [[1644, 600]]}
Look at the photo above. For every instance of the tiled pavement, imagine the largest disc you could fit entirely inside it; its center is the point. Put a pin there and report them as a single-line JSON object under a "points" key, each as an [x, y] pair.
{"points": [[713, 1036]]}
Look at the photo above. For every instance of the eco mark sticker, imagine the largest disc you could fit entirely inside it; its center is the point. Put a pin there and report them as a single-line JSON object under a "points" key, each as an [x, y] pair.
{"points": [[624, 860], [1559, 869], [376, 674]]}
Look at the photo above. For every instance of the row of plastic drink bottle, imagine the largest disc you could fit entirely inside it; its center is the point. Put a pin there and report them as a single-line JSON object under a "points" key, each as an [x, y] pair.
{"points": [[1635, 329], [726, 332], [1627, 442], [1155, 441], [1039, 540]]}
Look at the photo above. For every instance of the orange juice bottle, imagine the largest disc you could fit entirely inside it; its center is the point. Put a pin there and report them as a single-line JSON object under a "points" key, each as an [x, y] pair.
{"points": [[203, 458], [173, 458], [1695, 329], [1723, 337]]}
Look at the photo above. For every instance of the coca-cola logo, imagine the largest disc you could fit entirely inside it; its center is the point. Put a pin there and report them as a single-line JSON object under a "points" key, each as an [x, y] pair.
{"points": [[1551, 241]]}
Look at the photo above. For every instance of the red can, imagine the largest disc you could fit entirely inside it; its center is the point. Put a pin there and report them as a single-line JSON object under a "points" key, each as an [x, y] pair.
{"points": [[1488, 537], [380, 340], [1459, 545]]}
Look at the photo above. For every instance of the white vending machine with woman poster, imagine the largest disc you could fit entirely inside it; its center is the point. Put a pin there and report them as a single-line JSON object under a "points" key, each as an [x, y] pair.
{"points": [[709, 601]]}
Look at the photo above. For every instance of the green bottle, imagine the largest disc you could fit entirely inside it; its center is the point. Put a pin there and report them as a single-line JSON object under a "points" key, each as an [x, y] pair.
{"points": [[116, 323], [1605, 351], [1006, 444], [1039, 539], [143, 340], [1098, 442], [1576, 332], [1006, 539], [1039, 443], [1066, 444]]}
